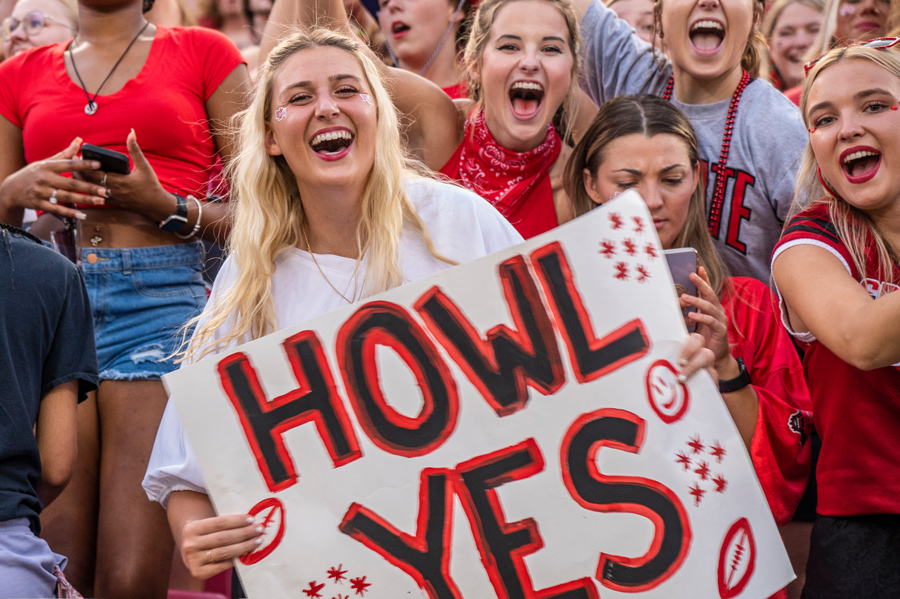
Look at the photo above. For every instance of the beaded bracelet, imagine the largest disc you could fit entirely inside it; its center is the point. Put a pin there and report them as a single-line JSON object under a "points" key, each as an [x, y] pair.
{"points": [[196, 224]]}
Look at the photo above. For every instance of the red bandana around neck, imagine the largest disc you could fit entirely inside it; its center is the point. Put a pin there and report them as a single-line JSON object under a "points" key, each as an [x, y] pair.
{"points": [[508, 180]]}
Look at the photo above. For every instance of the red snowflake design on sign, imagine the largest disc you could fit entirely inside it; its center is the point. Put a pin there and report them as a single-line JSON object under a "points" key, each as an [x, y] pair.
{"points": [[702, 471], [643, 273], [630, 247], [650, 250], [621, 271], [698, 493], [337, 574], [360, 585], [609, 248], [638, 224], [333, 587], [720, 483], [616, 219], [695, 444], [717, 451], [696, 462]]}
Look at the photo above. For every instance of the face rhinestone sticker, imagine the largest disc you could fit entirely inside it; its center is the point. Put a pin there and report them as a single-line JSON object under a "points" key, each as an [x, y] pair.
{"points": [[280, 113], [367, 99]]}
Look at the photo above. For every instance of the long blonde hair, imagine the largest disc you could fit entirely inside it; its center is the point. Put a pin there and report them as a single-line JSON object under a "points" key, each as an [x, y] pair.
{"points": [[854, 226], [269, 215], [649, 116]]}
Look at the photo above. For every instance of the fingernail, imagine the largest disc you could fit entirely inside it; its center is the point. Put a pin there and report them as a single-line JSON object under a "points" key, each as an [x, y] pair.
{"points": [[682, 379], [99, 200], [95, 164], [260, 529], [108, 193], [258, 540], [249, 519], [682, 362], [80, 215]]}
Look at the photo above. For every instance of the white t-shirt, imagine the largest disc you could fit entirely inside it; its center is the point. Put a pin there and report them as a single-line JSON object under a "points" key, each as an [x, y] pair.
{"points": [[462, 226]]}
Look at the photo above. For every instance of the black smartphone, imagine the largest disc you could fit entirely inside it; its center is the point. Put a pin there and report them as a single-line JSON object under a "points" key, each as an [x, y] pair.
{"points": [[110, 160], [682, 262]]}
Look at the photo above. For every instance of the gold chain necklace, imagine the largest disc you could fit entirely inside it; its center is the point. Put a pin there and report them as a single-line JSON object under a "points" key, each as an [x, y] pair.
{"points": [[316, 262]]}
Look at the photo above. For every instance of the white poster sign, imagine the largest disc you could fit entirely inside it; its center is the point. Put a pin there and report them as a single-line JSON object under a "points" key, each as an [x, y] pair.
{"points": [[512, 428]]}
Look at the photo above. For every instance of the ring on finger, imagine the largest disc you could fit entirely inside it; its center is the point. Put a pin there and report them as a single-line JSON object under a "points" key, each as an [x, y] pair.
{"points": [[52, 198], [103, 183], [209, 558]]}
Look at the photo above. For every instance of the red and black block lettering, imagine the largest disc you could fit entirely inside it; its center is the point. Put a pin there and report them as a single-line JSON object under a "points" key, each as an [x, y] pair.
{"points": [[592, 358], [504, 365], [389, 325], [426, 556], [618, 429], [315, 400], [502, 544]]}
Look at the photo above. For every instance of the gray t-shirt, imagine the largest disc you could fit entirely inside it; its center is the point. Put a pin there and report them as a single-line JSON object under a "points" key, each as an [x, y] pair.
{"points": [[766, 145]]}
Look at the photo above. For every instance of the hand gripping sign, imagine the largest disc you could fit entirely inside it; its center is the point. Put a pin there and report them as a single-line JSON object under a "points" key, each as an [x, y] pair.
{"points": [[511, 428]]}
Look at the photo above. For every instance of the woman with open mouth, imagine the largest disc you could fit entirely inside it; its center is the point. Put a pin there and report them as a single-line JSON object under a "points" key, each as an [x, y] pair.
{"points": [[522, 62], [836, 270], [750, 135], [329, 211], [427, 37], [790, 28]]}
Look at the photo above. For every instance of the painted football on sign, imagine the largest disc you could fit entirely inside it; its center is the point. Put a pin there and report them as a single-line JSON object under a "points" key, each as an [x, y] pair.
{"points": [[268, 513], [737, 559]]}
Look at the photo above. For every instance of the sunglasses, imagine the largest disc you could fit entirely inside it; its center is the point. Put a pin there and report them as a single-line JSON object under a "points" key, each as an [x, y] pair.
{"points": [[31, 24], [879, 43]]}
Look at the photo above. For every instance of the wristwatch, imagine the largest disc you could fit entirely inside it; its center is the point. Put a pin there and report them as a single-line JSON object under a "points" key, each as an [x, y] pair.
{"points": [[178, 219], [738, 382]]}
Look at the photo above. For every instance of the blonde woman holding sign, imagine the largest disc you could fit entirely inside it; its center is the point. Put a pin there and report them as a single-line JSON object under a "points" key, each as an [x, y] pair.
{"points": [[322, 221]]}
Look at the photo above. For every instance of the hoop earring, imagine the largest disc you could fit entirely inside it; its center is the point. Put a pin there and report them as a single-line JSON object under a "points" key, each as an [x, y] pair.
{"points": [[828, 188]]}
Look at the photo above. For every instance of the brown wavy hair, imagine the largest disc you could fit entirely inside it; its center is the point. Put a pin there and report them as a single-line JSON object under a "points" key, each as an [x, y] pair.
{"points": [[645, 115]]}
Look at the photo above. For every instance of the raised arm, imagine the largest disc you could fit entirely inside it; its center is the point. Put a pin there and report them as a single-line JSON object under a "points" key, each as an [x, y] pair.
{"points": [[822, 298], [616, 60], [434, 123]]}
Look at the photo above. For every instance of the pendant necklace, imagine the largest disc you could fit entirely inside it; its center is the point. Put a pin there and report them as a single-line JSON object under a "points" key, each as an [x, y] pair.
{"points": [[91, 106], [721, 168], [322, 272]]}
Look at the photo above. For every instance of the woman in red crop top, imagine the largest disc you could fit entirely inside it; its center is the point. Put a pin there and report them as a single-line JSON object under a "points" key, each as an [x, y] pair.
{"points": [[162, 96]]}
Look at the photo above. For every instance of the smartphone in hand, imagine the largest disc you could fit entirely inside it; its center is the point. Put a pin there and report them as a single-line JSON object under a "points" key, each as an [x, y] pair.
{"points": [[110, 160], [682, 262]]}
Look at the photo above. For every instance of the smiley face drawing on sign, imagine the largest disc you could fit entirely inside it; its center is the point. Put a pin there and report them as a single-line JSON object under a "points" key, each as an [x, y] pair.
{"points": [[268, 513], [667, 396]]}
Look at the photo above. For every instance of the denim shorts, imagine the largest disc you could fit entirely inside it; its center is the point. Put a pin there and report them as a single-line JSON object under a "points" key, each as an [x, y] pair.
{"points": [[140, 299]]}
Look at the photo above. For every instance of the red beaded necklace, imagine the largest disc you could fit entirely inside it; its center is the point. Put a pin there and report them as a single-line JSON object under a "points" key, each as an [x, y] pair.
{"points": [[718, 198]]}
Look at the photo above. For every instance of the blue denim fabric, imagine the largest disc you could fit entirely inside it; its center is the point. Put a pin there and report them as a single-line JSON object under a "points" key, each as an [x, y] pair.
{"points": [[140, 299]]}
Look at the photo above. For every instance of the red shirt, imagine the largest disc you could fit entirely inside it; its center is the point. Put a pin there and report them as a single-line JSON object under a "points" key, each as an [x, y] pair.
{"points": [[857, 412], [165, 104], [780, 453]]}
